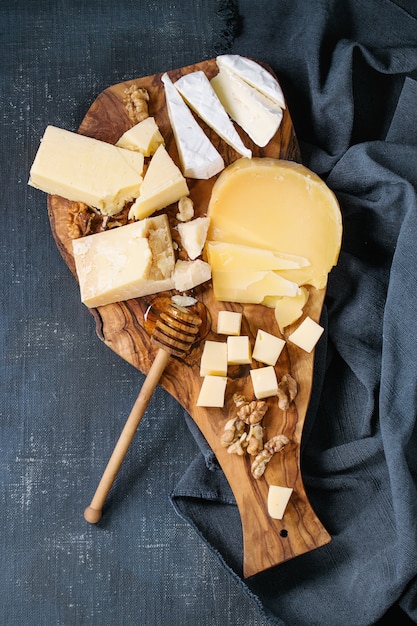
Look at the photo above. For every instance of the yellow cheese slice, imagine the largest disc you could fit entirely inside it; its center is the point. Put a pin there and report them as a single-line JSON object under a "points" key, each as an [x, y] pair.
{"points": [[231, 256], [287, 309], [250, 287], [278, 205], [83, 169], [126, 262]]}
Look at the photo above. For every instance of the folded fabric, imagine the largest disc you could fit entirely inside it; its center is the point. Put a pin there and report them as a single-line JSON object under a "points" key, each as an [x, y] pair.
{"points": [[348, 70]]}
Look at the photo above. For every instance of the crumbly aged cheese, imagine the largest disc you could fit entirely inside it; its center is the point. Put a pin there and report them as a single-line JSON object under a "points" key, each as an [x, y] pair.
{"points": [[229, 322], [126, 262], [199, 158], [83, 169], [307, 334], [289, 310], [214, 359], [144, 137], [190, 274], [212, 391], [278, 205], [264, 382], [196, 89], [278, 498], [231, 256], [253, 74], [267, 347], [162, 185], [250, 287], [193, 235], [259, 116], [238, 350]]}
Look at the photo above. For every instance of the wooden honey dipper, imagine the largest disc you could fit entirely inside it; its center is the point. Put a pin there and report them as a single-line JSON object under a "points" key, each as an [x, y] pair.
{"points": [[174, 331]]}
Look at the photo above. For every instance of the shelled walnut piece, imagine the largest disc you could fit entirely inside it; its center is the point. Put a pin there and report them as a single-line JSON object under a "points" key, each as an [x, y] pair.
{"points": [[84, 220], [136, 100], [272, 446]]}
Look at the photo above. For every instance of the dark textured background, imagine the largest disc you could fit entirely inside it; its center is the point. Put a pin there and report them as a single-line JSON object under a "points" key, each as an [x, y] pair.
{"points": [[348, 69]]}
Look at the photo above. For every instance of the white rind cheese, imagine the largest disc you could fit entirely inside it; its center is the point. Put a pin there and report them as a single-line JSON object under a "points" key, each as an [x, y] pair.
{"points": [[126, 262], [199, 158], [83, 169], [259, 116], [253, 74], [196, 89]]}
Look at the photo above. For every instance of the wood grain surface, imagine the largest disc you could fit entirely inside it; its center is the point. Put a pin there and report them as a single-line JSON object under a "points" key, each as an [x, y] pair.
{"points": [[267, 542]]}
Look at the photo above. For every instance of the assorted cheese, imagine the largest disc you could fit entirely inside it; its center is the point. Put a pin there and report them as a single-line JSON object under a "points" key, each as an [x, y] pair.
{"points": [[83, 169]]}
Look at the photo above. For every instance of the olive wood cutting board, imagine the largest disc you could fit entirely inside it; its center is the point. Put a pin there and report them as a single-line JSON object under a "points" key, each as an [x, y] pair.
{"points": [[267, 542]]}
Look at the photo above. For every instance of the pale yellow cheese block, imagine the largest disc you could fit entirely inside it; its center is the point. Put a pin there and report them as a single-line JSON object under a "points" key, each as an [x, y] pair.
{"points": [[126, 262], [163, 184], [278, 205], [87, 170]]}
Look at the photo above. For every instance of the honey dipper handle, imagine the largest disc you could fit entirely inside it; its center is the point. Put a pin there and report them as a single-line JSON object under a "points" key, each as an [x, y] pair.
{"points": [[94, 511]]}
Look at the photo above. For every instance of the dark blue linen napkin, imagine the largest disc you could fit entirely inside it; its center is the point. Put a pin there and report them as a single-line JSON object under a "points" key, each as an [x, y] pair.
{"points": [[349, 73]]}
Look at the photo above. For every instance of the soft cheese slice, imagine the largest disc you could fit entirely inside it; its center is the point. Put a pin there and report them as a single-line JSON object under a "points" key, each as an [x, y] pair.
{"points": [[250, 287], [201, 97], [253, 74], [144, 137], [278, 205], [193, 235], [162, 185], [199, 158], [126, 262], [83, 169], [231, 256], [259, 116]]}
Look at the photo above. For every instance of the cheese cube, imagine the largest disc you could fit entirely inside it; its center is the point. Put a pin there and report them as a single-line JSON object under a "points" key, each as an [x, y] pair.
{"points": [[143, 137], [267, 347], [212, 391], [278, 498], [193, 235], [214, 359], [162, 185], [307, 334], [190, 274], [229, 322], [126, 262], [83, 169], [264, 381], [238, 350]]}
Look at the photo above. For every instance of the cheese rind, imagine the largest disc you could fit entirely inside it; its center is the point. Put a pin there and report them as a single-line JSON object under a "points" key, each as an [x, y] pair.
{"points": [[278, 498], [253, 74], [259, 116], [162, 185], [231, 256], [250, 287], [196, 89], [144, 137], [278, 205], [126, 262], [83, 169], [199, 158]]}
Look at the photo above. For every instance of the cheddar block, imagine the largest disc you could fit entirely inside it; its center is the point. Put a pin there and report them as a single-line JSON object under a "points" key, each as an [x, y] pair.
{"points": [[126, 262], [250, 287], [190, 274], [259, 116], [214, 359], [264, 381], [238, 350], [83, 169], [162, 185], [193, 235], [231, 256], [229, 322], [199, 158], [278, 205], [307, 334], [278, 498], [144, 137], [267, 347], [254, 74], [196, 89], [212, 391]]}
